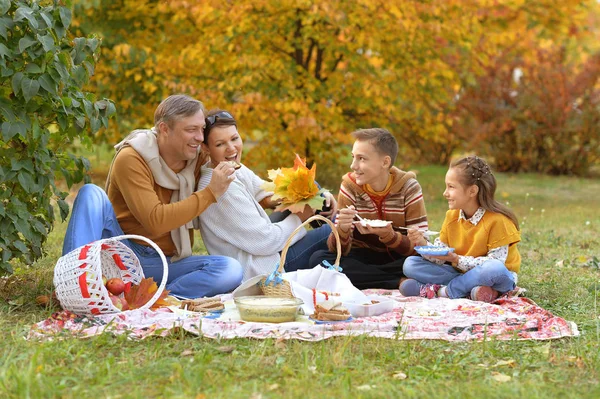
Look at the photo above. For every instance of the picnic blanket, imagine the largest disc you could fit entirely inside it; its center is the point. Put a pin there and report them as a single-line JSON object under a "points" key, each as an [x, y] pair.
{"points": [[411, 318]]}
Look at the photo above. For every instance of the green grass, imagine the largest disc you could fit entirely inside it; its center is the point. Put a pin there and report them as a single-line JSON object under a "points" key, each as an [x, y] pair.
{"points": [[561, 270]]}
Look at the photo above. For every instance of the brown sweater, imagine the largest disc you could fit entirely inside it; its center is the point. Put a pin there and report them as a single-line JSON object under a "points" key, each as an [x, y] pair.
{"points": [[143, 207], [403, 205]]}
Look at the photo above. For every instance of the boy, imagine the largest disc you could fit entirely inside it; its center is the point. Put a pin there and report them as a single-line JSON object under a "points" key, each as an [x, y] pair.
{"points": [[375, 189]]}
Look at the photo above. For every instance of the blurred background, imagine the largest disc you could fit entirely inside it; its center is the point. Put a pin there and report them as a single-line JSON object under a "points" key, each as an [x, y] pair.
{"points": [[515, 81]]}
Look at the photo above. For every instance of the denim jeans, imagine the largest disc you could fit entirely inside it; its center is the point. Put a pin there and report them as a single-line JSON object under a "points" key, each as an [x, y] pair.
{"points": [[491, 273], [93, 218], [298, 254]]}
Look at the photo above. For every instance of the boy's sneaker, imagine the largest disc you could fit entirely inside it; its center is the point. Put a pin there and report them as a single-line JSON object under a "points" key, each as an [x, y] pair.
{"points": [[484, 294]]}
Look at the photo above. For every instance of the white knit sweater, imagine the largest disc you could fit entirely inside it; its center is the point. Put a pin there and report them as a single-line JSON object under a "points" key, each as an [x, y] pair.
{"points": [[237, 226]]}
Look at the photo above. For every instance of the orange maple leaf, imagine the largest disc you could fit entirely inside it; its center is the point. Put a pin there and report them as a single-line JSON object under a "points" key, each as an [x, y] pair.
{"points": [[140, 294]]}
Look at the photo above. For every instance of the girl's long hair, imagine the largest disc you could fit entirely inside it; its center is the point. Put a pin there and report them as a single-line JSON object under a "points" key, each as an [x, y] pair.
{"points": [[475, 171]]}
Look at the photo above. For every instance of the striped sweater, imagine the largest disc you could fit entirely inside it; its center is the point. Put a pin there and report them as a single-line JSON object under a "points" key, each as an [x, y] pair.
{"points": [[403, 205]]}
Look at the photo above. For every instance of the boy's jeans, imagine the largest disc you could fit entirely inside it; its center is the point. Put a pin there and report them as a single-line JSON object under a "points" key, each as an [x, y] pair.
{"points": [[491, 273], [93, 218]]}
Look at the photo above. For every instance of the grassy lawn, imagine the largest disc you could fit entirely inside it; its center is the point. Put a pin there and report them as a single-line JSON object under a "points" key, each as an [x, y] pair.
{"points": [[561, 271]]}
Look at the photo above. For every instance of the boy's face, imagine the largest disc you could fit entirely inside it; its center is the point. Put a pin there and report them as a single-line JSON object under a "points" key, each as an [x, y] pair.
{"points": [[369, 166]]}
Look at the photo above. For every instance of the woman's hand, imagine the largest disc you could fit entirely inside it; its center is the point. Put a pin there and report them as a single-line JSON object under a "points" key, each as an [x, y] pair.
{"points": [[221, 178], [416, 237], [331, 203], [305, 213]]}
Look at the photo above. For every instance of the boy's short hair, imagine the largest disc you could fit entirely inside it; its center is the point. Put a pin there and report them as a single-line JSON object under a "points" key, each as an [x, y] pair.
{"points": [[383, 141]]}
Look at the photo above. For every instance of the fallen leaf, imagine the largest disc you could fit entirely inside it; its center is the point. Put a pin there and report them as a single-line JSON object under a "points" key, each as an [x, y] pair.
{"points": [[501, 377], [273, 387], [509, 362], [560, 263], [140, 294], [226, 348], [365, 387], [400, 376], [186, 352], [312, 369]]}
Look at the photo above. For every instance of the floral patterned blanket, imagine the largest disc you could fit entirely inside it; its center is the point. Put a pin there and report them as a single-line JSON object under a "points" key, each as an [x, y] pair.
{"points": [[411, 318]]}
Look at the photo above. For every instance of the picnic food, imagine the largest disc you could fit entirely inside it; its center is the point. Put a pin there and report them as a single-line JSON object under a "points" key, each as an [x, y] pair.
{"points": [[374, 222], [267, 309], [115, 286], [235, 165], [330, 310], [202, 304]]}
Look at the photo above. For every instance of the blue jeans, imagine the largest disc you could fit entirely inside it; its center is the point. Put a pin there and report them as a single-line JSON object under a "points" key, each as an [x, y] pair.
{"points": [[93, 218], [491, 273], [298, 255]]}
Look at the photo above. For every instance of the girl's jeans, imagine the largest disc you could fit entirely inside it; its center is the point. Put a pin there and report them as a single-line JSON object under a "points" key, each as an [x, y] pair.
{"points": [[93, 218], [491, 273]]}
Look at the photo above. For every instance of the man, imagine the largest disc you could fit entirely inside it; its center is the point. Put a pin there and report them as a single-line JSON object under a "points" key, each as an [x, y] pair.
{"points": [[150, 192]]}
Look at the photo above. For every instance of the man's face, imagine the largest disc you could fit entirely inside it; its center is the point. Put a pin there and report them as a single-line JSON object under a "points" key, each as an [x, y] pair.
{"points": [[369, 166], [183, 139]]}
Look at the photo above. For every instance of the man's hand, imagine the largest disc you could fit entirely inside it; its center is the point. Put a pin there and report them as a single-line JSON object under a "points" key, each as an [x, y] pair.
{"points": [[331, 203], [222, 177]]}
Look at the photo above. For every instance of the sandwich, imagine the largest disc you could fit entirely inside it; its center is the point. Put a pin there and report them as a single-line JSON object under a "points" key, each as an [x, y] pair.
{"points": [[330, 310]]}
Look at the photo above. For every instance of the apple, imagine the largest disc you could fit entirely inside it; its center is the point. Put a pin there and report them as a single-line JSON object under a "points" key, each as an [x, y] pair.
{"points": [[116, 301], [115, 286], [124, 304]]}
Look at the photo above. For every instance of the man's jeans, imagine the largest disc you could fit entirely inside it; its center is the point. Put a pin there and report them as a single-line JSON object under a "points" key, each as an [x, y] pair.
{"points": [[93, 218], [491, 273]]}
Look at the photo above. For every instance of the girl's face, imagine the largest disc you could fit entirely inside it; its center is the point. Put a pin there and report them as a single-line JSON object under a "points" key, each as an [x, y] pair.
{"points": [[224, 144], [458, 195], [369, 166]]}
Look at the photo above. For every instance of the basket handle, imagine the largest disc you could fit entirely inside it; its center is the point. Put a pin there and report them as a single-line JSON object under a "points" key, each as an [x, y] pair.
{"points": [[165, 275], [310, 219]]}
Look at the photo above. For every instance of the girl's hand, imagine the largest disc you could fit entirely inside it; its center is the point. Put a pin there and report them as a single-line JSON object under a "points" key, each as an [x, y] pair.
{"points": [[345, 218], [451, 257], [416, 237]]}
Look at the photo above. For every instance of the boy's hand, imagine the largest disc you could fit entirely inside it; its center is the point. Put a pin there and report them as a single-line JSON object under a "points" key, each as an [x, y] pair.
{"points": [[416, 237], [331, 203], [385, 231], [345, 218]]}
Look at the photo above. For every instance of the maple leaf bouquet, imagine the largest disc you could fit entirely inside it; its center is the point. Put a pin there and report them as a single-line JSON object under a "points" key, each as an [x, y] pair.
{"points": [[295, 187]]}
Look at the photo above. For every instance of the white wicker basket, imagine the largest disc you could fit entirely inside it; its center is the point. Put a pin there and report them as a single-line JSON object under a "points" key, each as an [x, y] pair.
{"points": [[78, 274]]}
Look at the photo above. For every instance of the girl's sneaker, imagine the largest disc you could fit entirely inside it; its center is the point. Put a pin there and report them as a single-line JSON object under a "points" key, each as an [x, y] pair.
{"points": [[429, 291], [484, 294]]}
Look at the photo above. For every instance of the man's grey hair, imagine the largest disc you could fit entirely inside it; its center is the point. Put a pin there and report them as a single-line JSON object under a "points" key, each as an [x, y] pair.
{"points": [[176, 107]]}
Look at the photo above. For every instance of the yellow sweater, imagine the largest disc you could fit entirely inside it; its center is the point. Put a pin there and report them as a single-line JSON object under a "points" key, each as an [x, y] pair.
{"points": [[493, 230]]}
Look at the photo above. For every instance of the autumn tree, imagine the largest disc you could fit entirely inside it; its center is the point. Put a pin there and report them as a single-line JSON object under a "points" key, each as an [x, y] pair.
{"points": [[301, 75]]}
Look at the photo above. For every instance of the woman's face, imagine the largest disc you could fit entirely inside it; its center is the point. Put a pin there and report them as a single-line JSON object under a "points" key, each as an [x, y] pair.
{"points": [[224, 144]]}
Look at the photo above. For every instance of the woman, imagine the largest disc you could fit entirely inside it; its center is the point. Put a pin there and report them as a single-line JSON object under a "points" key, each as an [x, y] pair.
{"points": [[237, 225]]}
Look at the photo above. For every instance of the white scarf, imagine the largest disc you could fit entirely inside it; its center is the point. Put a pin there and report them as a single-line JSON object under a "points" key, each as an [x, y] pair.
{"points": [[144, 141]]}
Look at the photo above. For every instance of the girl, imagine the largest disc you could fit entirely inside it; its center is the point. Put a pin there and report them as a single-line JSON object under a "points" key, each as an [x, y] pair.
{"points": [[484, 234], [237, 224]]}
